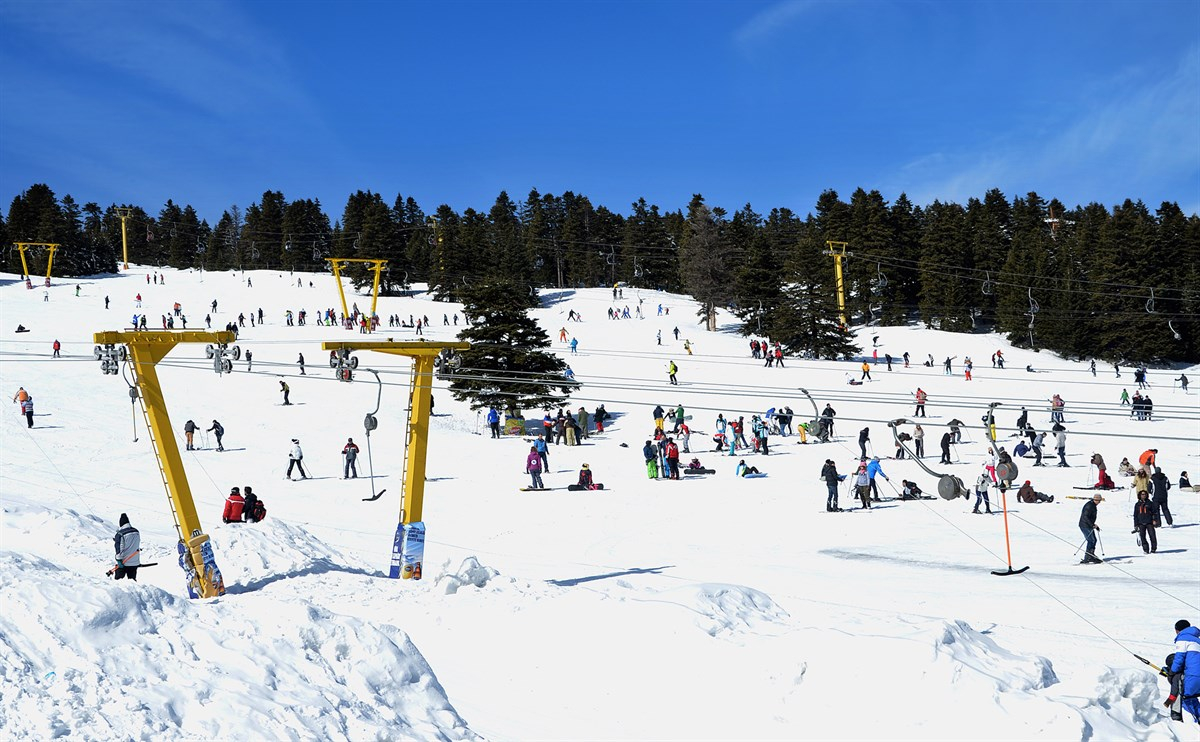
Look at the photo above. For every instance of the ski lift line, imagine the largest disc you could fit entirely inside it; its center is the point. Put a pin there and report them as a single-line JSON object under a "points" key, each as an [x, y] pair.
{"points": [[1111, 564], [58, 471]]}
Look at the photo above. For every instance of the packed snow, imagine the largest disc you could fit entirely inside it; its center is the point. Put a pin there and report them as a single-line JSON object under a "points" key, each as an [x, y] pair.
{"points": [[712, 607]]}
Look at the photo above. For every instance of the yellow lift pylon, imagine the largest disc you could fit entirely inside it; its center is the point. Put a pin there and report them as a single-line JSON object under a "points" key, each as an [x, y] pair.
{"points": [[124, 212], [838, 251], [376, 266], [407, 548], [145, 350], [22, 247]]}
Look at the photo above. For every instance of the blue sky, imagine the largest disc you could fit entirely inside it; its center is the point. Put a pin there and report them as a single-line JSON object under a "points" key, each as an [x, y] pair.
{"points": [[212, 103]]}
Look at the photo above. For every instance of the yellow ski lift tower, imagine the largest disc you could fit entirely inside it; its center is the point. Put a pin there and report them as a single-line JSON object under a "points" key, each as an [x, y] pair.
{"points": [[408, 546], [838, 251], [22, 247], [376, 266], [146, 349], [124, 212]]}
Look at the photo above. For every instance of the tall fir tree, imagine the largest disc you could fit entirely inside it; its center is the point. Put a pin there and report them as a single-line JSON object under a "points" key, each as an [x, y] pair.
{"points": [[508, 363], [702, 261]]}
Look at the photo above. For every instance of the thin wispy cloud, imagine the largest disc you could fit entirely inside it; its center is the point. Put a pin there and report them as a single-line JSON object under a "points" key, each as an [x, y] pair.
{"points": [[770, 21], [1141, 131]]}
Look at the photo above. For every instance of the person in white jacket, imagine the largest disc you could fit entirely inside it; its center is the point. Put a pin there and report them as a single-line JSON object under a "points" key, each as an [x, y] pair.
{"points": [[295, 458]]}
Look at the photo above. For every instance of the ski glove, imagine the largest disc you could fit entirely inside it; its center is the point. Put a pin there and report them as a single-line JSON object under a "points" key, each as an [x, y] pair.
{"points": [[1170, 700]]}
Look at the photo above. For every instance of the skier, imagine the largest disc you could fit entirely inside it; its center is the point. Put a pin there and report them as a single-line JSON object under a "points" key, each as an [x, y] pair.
{"points": [[1187, 662], [1039, 441], [300, 362], [1145, 520], [864, 436], [106, 302], [956, 430], [283, 387], [945, 448], [189, 430], [676, 333], [249, 360], [128, 546], [350, 451], [678, 418], [1060, 441], [1023, 419], [493, 421], [582, 420], [58, 346], [906, 359], [27, 410], [921, 397], [672, 369], [947, 365], [866, 371], [574, 346], [1092, 367], [220, 431], [981, 493], [1089, 528], [1183, 379], [1159, 484], [862, 485], [659, 337], [873, 468], [234, 505], [295, 459], [826, 423], [831, 477], [919, 440]]}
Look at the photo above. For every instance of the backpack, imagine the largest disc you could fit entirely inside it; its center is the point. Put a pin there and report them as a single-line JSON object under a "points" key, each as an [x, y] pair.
{"points": [[259, 512]]}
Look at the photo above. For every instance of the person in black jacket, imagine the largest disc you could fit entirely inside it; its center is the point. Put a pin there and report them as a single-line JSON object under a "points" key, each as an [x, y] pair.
{"points": [[220, 431], [1145, 520], [831, 477], [864, 436], [189, 430], [1090, 530], [1159, 484], [946, 437], [827, 416]]}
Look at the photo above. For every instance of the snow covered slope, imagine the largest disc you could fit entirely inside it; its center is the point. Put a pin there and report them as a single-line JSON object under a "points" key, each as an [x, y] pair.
{"points": [[713, 607]]}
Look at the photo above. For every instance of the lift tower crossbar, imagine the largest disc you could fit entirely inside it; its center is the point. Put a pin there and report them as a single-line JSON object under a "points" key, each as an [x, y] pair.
{"points": [[376, 267], [145, 350], [50, 248]]}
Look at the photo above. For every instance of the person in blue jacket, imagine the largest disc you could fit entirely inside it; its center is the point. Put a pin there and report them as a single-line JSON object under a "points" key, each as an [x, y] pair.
{"points": [[873, 468], [493, 420], [1187, 661], [543, 452]]}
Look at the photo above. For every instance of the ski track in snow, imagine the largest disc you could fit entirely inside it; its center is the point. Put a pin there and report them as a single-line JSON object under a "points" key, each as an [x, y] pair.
{"points": [[714, 608]]}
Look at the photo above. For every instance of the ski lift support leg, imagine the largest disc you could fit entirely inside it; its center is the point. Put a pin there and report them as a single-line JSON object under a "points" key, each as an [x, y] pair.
{"points": [[838, 251], [377, 266], [423, 355], [50, 248], [145, 350]]}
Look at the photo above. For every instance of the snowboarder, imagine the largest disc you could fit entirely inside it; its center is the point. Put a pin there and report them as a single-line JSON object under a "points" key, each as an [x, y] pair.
{"points": [[300, 362], [189, 430], [672, 369], [864, 437], [283, 387], [220, 431], [58, 346], [533, 467], [350, 451], [1145, 520], [249, 360], [866, 371], [650, 453], [742, 470], [574, 346], [586, 481], [234, 505], [295, 459], [493, 421], [128, 546], [1089, 528]]}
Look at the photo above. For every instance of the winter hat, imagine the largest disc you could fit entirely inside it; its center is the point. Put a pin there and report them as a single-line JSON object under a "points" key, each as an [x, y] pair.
{"points": [[124, 519], [234, 491], [585, 466], [295, 440], [1026, 481]]}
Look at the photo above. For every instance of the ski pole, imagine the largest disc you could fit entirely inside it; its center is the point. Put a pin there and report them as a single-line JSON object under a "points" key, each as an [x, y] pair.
{"points": [[1081, 545], [1100, 542]]}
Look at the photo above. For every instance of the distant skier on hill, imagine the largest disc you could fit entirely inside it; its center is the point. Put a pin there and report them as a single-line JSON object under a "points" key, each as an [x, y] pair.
{"points": [[219, 431], [295, 459]]}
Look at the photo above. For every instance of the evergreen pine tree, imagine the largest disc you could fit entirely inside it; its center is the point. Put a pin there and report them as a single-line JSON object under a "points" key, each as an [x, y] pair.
{"points": [[508, 363], [702, 262]]}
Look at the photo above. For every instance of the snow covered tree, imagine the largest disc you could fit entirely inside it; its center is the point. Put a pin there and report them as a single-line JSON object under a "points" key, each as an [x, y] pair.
{"points": [[508, 364]]}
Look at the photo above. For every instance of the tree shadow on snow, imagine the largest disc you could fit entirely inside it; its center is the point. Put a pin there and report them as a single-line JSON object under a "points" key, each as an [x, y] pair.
{"points": [[592, 578], [320, 567], [550, 298]]}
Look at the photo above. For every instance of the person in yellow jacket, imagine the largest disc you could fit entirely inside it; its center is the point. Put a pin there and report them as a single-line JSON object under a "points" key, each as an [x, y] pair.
{"points": [[866, 369]]}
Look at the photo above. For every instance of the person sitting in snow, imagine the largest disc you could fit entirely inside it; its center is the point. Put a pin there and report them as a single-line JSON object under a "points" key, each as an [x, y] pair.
{"points": [[586, 481], [1028, 494], [234, 505], [910, 490], [742, 470]]}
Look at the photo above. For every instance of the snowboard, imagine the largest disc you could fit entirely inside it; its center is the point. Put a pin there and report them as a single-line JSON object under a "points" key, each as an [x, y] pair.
{"points": [[760, 475], [581, 488], [699, 471], [536, 489]]}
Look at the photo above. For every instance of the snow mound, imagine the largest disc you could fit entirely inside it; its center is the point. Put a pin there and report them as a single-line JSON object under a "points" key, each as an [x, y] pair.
{"points": [[728, 609], [140, 663], [471, 572], [254, 555]]}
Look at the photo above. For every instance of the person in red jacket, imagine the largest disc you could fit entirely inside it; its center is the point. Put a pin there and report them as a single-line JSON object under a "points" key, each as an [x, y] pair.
{"points": [[671, 453], [233, 506]]}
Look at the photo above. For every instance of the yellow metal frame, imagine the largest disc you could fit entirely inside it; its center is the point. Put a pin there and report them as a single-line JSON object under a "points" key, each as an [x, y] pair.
{"points": [[50, 248], [423, 355], [376, 266], [145, 350], [838, 251], [124, 213]]}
